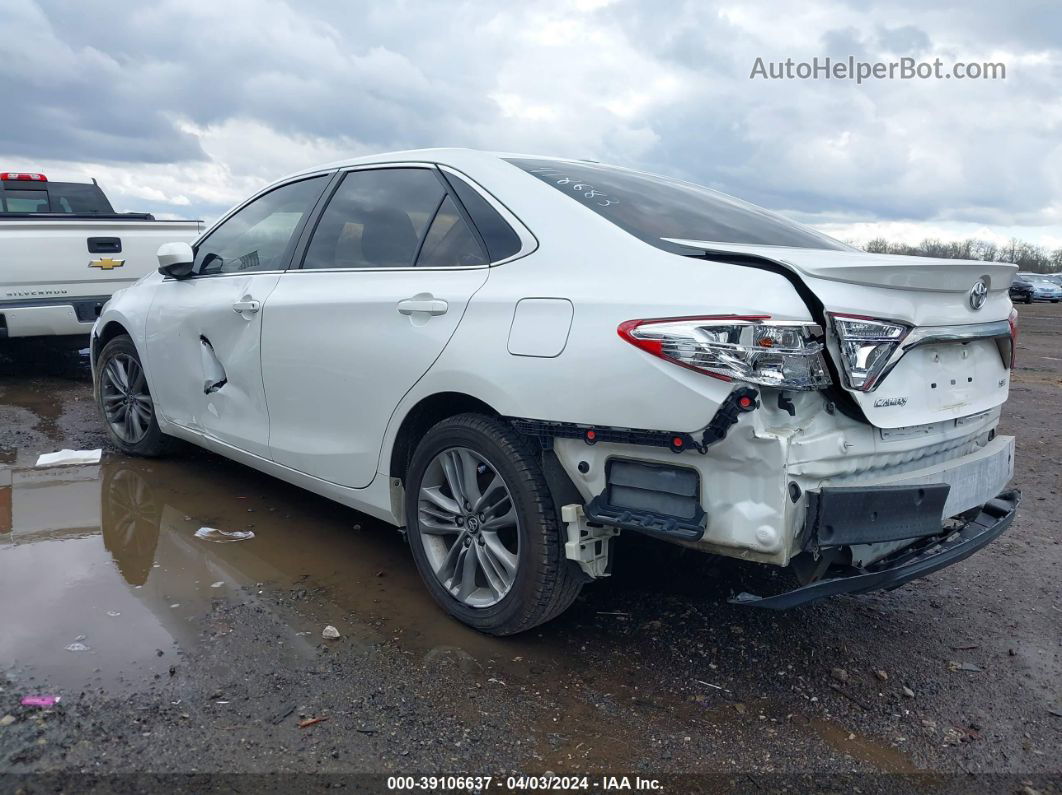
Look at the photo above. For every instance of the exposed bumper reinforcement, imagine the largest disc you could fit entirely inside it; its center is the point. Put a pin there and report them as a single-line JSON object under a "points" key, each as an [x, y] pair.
{"points": [[918, 560]]}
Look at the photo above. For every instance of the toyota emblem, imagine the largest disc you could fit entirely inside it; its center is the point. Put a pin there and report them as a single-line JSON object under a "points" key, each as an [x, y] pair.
{"points": [[978, 294]]}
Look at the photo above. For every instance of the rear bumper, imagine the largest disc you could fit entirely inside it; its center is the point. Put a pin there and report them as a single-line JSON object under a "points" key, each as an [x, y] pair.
{"points": [[918, 560], [46, 318]]}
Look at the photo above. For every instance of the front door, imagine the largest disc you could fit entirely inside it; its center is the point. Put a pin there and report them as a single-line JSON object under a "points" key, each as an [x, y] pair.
{"points": [[204, 332], [384, 283]]}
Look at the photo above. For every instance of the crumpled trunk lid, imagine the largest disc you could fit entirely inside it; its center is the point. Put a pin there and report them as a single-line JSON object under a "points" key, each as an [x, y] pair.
{"points": [[940, 379]]}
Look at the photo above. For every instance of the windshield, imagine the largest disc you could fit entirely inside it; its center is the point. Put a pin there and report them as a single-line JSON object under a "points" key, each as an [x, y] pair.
{"points": [[653, 208]]}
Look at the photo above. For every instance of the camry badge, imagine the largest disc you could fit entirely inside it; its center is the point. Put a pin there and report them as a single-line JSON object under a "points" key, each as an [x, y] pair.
{"points": [[978, 294], [893, 401], [106, 263]]}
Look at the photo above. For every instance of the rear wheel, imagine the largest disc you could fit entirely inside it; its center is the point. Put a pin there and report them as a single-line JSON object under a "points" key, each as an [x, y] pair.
{"points": [[484, 529], [125, 401]]}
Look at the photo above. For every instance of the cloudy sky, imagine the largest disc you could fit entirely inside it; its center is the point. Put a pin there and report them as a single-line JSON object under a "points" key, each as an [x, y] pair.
{"points": [[183, 108]]}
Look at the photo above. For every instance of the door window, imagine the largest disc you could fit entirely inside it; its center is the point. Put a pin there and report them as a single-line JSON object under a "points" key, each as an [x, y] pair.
{"points": [[449, 242], [382, 218], [260, 236], [500, 238]]}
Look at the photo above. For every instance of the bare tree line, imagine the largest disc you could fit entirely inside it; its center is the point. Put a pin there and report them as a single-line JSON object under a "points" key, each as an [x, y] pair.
{"points": [[1027, 256]]}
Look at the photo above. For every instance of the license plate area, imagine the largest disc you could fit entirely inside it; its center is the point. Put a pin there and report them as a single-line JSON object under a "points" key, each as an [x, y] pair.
{"points": [[938, 382]]}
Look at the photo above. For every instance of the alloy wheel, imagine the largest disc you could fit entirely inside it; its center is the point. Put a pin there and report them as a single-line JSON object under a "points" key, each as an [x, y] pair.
{"points": [[126, 401], [469, 527]]}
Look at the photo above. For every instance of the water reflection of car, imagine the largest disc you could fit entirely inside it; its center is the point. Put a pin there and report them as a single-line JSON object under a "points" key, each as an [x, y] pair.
{"points": [[1021, 290]]}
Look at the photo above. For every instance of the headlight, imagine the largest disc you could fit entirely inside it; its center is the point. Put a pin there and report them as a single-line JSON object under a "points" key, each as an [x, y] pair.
{"points": [[780, 354], [866, 347]]}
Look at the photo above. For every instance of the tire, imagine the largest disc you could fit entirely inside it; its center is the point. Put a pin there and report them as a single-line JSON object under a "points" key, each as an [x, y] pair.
{"points": [[544, 584], [141, 435]]}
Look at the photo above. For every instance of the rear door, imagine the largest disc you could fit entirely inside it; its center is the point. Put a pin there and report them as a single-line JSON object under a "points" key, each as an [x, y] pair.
{"points": [[386, 277], [203, 333]]}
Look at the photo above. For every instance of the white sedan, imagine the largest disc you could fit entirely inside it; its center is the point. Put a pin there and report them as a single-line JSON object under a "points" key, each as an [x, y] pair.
{"points": [[518, 359]]}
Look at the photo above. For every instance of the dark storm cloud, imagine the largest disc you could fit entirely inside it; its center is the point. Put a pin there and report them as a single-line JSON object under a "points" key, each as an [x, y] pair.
{"points": [[238, 92]]}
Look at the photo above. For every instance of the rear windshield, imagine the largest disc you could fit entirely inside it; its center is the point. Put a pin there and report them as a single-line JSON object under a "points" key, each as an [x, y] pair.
{"points": [[653, 208], [56, 197]]}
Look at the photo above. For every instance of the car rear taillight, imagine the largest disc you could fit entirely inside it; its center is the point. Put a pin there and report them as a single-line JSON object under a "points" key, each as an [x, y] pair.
{"points": [[753, 349], [22, 177], [1012, 319], [867, 345]]}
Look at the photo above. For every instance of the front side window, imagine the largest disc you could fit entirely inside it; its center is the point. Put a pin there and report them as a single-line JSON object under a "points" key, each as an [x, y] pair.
{"points": [[260, 236], [654, 208], [377, 218]]}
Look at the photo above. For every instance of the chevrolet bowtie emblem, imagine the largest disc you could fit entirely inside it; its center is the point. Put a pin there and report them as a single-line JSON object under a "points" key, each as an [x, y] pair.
{"points": [[106, 263]]}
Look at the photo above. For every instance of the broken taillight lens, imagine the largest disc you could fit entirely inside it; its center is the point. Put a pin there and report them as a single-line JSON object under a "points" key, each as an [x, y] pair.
{"points": [[866, 346], [753, 349]]}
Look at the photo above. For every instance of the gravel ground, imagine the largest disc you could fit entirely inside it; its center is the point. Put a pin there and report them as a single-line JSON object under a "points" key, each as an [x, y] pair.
{"points": [[208, 658]]}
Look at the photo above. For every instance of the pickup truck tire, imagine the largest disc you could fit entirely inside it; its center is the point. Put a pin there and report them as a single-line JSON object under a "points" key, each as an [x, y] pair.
{"points": [[121, 391], [483, 528]]}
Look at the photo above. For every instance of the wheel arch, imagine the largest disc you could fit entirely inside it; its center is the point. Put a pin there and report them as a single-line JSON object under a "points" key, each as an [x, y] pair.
{"points": [[423, 415], [110, 330], [437, 407]]}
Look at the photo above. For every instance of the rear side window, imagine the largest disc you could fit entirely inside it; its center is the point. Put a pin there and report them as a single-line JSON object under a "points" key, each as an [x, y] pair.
{"points": [[25, 201], [653, 208], [73, 197], [449, 242], [376, 219], [499, 238]]}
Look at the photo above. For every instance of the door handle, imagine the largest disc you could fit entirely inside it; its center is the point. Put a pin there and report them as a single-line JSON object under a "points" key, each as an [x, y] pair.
{"points": [[247, 306], [426, 304]]}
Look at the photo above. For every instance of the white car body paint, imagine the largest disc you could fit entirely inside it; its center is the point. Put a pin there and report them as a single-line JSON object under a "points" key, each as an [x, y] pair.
{"points": [[321, 379]]}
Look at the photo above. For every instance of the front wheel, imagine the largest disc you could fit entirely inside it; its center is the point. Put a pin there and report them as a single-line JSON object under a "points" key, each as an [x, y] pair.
{"points": [[125, 401], [483, 527]]}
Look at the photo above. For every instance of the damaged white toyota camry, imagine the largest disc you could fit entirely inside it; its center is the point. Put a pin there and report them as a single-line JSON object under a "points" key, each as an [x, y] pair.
{"points": [[521, 359]]}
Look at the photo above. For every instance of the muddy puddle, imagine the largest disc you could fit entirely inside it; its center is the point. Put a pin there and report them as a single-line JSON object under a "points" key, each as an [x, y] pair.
{"points": [[107, 557]]}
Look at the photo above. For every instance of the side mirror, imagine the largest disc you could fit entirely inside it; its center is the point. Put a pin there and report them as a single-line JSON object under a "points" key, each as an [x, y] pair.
{"points": [[176, 260]]}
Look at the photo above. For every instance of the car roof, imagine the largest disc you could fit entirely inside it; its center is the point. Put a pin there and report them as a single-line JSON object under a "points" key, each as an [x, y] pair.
{"points": [[453, 156]]}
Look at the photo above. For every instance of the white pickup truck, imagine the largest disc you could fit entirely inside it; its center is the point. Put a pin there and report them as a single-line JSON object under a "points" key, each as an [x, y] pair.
{"points": [[64, 251]]}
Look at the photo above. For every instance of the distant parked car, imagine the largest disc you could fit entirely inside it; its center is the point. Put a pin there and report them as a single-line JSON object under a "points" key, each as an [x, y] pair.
{"points": [[64, 251], [1021, 290], [1055, 278], [1044, 289]]}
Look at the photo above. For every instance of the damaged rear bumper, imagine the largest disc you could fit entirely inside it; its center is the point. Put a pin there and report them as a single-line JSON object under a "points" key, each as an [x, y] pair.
{"points": [[921, 558]]}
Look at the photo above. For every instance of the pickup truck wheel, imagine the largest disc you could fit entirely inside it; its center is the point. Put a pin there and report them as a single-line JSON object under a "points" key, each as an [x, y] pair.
{"points": [[483, 527], [125, 402]]}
